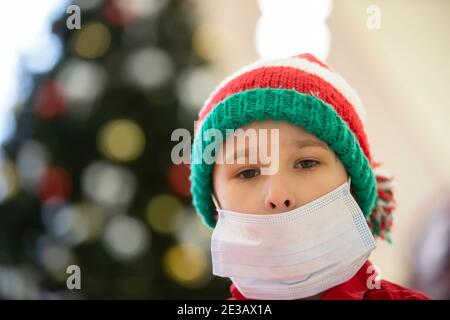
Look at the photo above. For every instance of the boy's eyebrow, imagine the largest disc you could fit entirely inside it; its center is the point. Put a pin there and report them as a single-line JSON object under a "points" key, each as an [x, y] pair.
{"points": [[297, 143], [311, 143]]}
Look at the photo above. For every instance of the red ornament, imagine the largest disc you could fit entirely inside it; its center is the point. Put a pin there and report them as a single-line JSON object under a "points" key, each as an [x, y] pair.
{"points": [[55, 184], [178, 176], [120, 13], [50, 102]]}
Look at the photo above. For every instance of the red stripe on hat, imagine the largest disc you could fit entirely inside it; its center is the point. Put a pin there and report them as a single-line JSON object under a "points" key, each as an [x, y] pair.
{"points": [[303, 82], [311, 58]]}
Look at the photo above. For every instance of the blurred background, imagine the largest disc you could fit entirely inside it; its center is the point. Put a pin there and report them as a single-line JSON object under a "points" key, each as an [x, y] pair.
{"points": [[86, 117]]}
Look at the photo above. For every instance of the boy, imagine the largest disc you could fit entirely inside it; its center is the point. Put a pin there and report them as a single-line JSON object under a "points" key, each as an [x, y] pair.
{"points": [[296, 210]]}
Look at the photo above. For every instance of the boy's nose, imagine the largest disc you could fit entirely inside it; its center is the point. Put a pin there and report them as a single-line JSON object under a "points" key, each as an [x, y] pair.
{"points": [[279, 201]]}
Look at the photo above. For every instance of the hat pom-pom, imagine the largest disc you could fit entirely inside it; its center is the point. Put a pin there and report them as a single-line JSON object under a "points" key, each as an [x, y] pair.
{"points": [[380, 220]]}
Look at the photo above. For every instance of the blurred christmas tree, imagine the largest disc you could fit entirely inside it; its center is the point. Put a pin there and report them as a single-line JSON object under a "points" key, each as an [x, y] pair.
{"points": [[87, 175]]}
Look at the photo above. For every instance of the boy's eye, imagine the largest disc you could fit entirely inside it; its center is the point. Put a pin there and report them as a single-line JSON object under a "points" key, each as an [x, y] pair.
{"points": [[307, 164], [249, 173]]}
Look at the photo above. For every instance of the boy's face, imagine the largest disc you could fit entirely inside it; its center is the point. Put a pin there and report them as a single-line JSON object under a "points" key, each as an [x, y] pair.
{"points": [[307, 170]]}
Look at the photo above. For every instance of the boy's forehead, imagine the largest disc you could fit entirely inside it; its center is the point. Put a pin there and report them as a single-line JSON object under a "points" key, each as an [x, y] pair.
{"points": [[289, 136]]}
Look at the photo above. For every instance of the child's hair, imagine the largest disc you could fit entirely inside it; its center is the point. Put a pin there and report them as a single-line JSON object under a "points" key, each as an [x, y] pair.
{"points": [[308, 93]]}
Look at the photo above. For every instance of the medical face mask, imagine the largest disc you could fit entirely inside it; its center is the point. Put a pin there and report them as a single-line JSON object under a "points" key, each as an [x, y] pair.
{"points": [[294, 254]]}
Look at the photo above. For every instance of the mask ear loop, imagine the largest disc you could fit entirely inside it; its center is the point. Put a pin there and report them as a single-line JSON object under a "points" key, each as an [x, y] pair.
{"points": [[349, 183], [215, 202]]}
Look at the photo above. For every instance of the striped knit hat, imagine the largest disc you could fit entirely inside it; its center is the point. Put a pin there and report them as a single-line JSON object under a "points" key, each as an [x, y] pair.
{"points": [[307, 92]]}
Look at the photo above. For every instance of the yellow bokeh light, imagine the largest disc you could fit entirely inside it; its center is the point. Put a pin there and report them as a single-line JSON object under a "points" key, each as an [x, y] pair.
{"points": [[92, 41], [121, 140], [204, 230], [185, 263], [165, 213], [94, 219], [9, 181], [210, 41]]}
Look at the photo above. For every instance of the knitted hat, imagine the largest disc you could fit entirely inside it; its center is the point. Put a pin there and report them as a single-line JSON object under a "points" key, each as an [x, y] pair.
{"points": [[306, 92]]}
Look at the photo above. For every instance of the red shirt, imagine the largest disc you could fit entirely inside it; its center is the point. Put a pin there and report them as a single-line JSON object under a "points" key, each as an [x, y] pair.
{"points": [[357, 289]]}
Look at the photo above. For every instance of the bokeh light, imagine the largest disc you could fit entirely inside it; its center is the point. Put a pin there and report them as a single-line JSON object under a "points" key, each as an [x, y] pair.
{"points": [[165, 213], [31, 163], [9, 181], [284, 20], [144, 8], [125, 237], [81, 82], [44, 54], [92, 40], [108, 185], [210, 41], [55, 257], [126, 12], [186, 264], [73, 224], [194, 86], [149, 68], [119, 14], [121, 140], [178, 178], [55, 183], [50, 101], [18, 283]]}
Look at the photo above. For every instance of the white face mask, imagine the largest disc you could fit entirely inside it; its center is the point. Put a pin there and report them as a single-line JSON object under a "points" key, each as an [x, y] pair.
{"points": [[294, 254]]}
